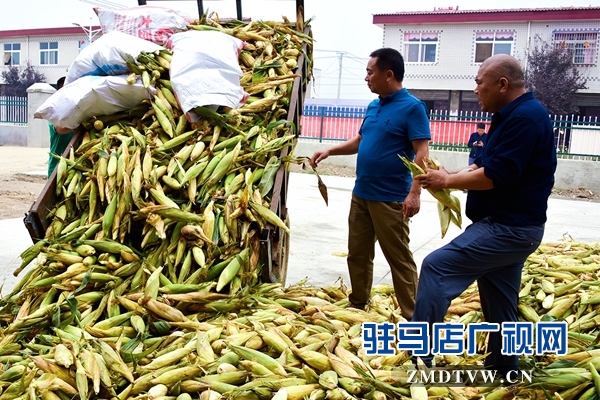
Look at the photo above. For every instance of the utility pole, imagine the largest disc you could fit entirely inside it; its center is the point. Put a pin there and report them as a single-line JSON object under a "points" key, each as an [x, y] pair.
{"points": [[341, 60], [90, 32]]}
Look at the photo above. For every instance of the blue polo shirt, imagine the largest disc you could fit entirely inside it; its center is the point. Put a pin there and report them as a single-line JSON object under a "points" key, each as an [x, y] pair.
{"points": [[520, 158], [388, 129]]}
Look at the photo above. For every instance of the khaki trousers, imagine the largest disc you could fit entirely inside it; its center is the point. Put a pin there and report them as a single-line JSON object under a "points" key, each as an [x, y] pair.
{"points": [[371, 221]]}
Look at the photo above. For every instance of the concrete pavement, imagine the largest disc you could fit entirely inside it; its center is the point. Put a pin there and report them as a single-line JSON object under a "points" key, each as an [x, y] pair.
{"points": [[319, 232]]}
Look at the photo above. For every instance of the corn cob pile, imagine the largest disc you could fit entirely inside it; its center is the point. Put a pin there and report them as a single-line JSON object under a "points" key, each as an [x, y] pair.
{"points": [[559, 283], [146, 189], [269, 342], [147, 282]]}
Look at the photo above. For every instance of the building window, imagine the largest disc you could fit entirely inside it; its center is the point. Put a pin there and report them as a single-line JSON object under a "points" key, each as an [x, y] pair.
{"points": [[420, 47], [582, 45], [83, 44], [12, 53], [488, 44], [48, 53]]}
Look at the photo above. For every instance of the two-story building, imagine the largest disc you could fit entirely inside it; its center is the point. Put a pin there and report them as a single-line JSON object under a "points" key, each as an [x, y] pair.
{"points": [[51, 50], [444, 48]]}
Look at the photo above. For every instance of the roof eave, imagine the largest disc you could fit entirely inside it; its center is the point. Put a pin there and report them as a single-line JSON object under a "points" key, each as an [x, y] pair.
{"points": [[487, 16], [74, 30]]}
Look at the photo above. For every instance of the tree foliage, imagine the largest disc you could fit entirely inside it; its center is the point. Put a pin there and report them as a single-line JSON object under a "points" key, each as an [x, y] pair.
{"points": [[17, 80], [553, 78]]}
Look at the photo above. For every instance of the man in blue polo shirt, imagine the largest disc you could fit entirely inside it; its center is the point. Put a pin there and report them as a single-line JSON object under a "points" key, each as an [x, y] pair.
{"points": [[507, 201], [384, 196]]}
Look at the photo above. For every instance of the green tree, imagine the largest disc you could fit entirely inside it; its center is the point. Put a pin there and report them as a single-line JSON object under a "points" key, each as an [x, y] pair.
{"points": [[17, 80], [553, 78]]}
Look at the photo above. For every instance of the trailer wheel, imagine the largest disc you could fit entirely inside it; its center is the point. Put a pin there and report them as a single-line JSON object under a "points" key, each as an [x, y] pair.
{"points": [[280, 262]]}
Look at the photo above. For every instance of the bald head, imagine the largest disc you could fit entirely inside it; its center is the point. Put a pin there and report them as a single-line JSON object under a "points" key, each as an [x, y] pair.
{"points": [[499, 81], [503, 65]]}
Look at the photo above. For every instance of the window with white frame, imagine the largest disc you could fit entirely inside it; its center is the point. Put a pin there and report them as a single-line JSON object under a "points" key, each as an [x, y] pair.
{"points": [[12, 54], [48, 53], [489, 43], [83, 44], [420, 47], [582, 45]]}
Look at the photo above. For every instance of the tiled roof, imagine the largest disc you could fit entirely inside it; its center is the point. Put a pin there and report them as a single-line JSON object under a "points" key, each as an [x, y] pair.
{"points": [[456, 15], [68, 30], [456, 10]]}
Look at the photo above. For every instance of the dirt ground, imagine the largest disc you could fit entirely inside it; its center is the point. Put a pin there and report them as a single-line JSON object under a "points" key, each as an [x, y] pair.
{"points": [[18, 191], [22, 178]]}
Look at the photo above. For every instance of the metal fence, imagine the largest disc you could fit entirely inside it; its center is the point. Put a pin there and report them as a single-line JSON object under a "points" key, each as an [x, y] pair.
{"points": [[331, 123], [575, 137], [13, 110]]}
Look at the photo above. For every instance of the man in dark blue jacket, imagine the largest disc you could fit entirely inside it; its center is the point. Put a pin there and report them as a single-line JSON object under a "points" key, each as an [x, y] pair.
{"points": [[477, 140], [507, 201]]}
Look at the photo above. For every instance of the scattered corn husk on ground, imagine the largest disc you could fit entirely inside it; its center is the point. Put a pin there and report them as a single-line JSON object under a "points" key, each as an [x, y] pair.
{"points": [[448, 205], [559, 283], [102, 340]]}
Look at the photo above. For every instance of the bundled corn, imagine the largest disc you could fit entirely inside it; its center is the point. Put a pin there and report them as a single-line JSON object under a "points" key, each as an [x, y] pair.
{"points": [[146, 188], [448, 205]]}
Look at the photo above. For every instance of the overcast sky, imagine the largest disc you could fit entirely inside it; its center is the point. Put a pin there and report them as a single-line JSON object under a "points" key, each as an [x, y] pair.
{"points": [[339, 26]]}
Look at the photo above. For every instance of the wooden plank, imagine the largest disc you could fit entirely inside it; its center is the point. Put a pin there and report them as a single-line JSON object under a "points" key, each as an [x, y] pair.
{"points": [[36, 219]]}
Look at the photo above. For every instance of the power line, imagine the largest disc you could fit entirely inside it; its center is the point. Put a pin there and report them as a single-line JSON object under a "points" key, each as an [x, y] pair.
{"points": [[327, 51], [324, 58], [335, 74], [355, 75], [326, 69], [357, 58]]}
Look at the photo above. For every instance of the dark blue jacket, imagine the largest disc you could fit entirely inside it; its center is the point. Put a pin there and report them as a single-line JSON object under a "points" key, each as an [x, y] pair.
{"points": [[520, 158], [476, 150]]}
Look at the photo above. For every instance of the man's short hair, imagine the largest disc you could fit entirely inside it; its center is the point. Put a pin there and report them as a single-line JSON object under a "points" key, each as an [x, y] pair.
{"points": [[480, 125], [388, 58]]}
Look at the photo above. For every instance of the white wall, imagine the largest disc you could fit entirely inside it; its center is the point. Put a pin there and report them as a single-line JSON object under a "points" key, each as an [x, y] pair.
{"points": [[455, 68], [37, 132], [13, 135], [68, 49]]}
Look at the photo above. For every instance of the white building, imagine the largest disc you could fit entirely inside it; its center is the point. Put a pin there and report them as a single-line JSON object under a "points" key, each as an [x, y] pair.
{"points": [[444, 48], [51, 51]]}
